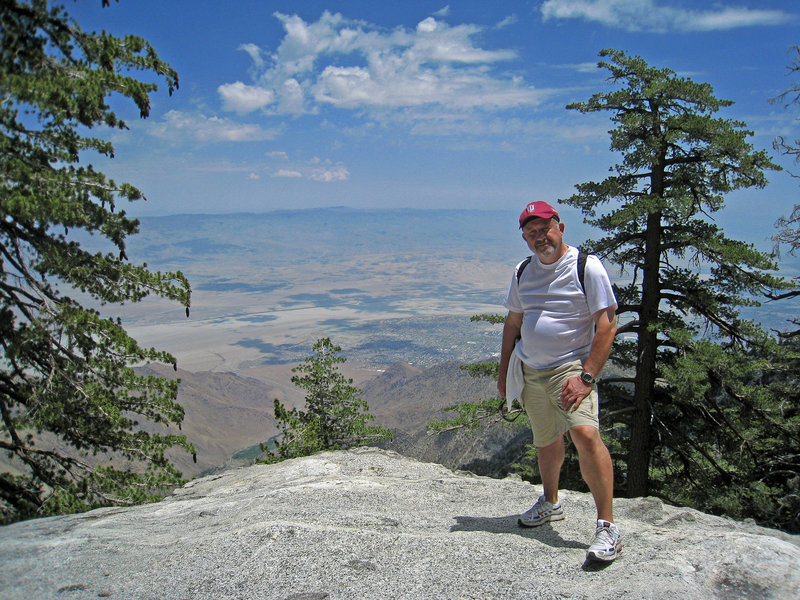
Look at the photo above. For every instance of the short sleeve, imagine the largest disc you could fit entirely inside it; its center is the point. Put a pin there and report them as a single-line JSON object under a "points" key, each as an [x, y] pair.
{"points": [[512, 301], [599, 291]]}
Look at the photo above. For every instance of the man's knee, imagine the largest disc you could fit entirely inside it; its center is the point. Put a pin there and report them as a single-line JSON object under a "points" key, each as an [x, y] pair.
{"points": [[586, 437], [554, 446]]}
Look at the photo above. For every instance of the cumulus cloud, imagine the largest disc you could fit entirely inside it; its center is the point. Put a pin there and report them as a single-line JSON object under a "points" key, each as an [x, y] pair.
{"points": [[179, 126], [651, 15], [354, 65], [242, 98], [328, 175]]}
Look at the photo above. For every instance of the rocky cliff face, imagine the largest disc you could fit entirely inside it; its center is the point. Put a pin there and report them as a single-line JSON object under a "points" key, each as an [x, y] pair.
{"points": [[370, 523]]}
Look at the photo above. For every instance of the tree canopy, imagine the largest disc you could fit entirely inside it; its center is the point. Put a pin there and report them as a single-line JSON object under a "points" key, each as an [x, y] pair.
{"points": [[68, 388], [335, 416]]}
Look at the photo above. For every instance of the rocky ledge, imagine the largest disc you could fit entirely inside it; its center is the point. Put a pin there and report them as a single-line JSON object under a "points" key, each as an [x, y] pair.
{"points": [[370, 524]]}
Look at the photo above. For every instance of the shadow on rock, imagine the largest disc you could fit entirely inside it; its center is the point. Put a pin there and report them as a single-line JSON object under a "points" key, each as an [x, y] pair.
{"points": [[591, 566], [544, 534]]}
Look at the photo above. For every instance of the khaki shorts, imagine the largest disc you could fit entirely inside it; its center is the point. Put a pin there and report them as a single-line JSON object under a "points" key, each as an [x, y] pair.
{"points": [[541, 398]]}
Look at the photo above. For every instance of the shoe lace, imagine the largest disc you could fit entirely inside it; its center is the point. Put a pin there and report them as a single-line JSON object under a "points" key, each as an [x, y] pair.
{"points": [[604, 535], [535, 510]]}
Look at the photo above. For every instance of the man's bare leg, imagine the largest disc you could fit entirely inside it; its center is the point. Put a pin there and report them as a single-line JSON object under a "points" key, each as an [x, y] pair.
{"points": [[596, 468], [551, 457]]}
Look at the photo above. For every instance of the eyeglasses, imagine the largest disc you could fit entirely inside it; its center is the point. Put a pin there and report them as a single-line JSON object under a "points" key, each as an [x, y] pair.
{"points": [[536, 232]]}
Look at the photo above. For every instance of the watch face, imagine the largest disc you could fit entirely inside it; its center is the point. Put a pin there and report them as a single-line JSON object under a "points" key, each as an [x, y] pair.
{"points": [[587, 378]]}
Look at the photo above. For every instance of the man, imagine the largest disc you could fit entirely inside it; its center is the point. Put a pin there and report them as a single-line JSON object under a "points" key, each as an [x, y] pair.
{"points": [[565, 337]]}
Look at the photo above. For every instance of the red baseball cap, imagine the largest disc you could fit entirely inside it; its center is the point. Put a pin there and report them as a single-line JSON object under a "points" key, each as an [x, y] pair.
{"points": [[538, 209]]}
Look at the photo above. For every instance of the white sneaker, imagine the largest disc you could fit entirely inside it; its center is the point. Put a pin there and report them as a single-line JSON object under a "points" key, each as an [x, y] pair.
{"points": [[606, 543], [541, 513]]}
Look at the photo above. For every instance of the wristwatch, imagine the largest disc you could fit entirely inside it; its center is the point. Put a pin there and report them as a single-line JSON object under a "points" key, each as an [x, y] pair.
{"points": [[588, 378]]}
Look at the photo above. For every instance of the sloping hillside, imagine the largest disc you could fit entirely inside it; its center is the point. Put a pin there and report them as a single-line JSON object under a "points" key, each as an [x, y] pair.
{"points": [[405, 399], [224, 413]]}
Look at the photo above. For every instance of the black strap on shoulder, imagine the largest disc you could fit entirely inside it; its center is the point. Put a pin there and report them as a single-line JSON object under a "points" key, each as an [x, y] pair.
{"points": [[581, 268], [522, 266]]}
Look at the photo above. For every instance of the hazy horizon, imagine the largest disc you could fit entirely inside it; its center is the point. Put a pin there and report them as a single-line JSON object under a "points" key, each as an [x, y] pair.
{"points": [[387, 285]]}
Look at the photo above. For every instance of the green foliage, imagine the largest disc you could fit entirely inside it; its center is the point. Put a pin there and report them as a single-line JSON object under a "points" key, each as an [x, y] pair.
{"points": [[733, 425], [472, 415], [68, 390], [487, 369], [335, 417], [494, 319]]}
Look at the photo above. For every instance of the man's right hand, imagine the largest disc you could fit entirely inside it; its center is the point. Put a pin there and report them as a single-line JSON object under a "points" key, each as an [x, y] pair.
{"points": [[511, 331], [501, 385]]}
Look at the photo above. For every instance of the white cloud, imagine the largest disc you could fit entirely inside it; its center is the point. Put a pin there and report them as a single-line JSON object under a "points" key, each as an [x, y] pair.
{"points": [[354, 65], [327, 173], [331, 174], [427, 26], [255, 54], [584, 67], [291, 97], [287, 173], [242, 98], [278, 154], [179, 126], [253, 176], [651, 15], [507, 22]]}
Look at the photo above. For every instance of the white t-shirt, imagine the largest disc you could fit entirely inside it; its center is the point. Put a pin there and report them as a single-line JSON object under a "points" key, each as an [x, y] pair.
{"points": [[557, 324]]}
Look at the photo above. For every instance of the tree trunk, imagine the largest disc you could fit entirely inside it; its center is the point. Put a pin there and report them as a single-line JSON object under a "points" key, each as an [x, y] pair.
{"points": [[639, 449]]}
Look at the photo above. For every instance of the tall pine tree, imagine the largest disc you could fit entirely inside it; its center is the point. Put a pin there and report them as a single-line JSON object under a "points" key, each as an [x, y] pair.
{"points": [[687, 279], [68, 389]]}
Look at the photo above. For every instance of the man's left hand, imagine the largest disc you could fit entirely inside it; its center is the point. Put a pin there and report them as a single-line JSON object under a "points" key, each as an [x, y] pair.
{"points": [[573, 392]]}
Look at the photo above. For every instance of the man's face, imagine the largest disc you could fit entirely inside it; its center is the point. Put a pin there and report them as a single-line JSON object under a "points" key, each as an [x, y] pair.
{"points": [[544, 237]]}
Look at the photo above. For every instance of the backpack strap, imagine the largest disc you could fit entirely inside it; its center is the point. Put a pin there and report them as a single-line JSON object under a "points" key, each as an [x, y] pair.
{"points": [[522, 266], [581, 268]]}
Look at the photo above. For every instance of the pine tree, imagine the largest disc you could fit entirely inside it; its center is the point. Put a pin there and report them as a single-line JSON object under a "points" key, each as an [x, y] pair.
{"points": [[687, 279], [68, 390], [335, 416], [730, 433]]}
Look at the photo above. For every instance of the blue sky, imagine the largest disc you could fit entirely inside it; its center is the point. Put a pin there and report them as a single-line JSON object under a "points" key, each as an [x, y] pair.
{"points": [[425, 104]]}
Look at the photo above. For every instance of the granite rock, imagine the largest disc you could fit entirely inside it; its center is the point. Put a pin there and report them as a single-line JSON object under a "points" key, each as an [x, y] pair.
{"points": [[370, 523]]}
